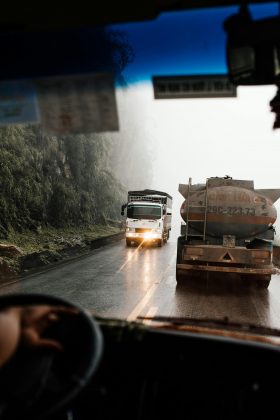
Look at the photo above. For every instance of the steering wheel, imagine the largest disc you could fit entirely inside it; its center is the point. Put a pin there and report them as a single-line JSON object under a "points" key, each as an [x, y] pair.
{"points": [[40, 383]]}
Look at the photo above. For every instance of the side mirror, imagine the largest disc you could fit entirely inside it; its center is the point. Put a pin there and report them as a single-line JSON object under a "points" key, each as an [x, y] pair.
{"points": [[122, 213], [252, 49]]}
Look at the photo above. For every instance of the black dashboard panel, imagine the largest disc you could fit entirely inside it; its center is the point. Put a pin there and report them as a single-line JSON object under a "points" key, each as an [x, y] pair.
{"points": [[156, 374]]}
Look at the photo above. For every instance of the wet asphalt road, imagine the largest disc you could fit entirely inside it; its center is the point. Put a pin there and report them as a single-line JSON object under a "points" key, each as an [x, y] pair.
{"points": [[115, 281]]}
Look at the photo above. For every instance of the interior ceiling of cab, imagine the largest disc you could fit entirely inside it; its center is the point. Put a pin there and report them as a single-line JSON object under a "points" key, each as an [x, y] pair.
{"points": [[93, 13]]}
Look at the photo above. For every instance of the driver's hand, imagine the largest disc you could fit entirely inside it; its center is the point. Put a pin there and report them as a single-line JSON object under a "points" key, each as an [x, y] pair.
{"points": [[36, 319], [26, 326]]}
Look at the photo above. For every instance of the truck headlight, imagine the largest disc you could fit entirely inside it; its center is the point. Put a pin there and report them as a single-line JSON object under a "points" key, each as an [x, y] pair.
{"points": [[129, 229]]}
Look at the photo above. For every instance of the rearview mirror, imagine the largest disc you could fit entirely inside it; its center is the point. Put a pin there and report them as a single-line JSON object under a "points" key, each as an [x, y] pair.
{"points": [[252, 49]]}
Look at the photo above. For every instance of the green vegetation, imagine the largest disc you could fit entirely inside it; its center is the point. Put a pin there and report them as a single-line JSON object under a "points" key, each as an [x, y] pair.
{"points": [[59, 182], [56, 239], [57, 189]]}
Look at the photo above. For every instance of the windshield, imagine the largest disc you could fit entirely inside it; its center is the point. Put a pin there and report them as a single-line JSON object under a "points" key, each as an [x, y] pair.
{"points": [[143, 212], [90, 112]]}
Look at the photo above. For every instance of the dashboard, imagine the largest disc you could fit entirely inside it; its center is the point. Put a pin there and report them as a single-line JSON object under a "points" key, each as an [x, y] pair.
{"points": [[147, 373]]}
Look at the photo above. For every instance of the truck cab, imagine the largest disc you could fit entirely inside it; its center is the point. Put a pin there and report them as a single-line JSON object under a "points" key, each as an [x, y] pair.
{"points": [[148, 217]]}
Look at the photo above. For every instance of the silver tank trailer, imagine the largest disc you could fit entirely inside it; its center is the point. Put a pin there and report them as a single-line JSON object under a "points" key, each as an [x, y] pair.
{"points": [[233, 207]]}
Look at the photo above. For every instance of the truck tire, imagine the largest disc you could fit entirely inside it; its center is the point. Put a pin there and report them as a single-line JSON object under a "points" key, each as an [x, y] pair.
{"points": [[160, 242], [256, 281], [263, 282], [183, 277], [166, 237], [180, 242], [180, 277], [128, 242]]}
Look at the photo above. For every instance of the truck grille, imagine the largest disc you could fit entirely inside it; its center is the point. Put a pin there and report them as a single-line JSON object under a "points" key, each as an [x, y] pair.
{"points": [[142, 230]]}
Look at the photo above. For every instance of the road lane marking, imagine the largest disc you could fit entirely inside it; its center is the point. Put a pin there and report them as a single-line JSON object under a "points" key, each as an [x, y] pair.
{"points": [[129, 258], [138, 308], [170, 280], [150, 314], [143, 302]]}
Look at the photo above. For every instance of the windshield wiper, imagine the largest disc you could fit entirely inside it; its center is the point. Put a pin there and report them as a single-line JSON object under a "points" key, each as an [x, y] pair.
{"points": [[223, 323]]}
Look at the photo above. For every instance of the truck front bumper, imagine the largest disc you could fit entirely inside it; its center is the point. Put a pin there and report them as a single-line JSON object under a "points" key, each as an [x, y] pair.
{"points": [[143, 236]]}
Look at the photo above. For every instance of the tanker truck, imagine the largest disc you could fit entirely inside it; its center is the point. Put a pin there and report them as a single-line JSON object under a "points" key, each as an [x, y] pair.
{"points": [[228, 228]]}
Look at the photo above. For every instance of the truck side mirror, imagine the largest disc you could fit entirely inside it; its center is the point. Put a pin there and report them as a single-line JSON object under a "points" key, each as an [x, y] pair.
{"points": [[122, 209]]}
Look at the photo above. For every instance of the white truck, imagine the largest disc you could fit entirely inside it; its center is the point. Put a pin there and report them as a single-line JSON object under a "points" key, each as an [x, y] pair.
{"points": [[148, 217]]}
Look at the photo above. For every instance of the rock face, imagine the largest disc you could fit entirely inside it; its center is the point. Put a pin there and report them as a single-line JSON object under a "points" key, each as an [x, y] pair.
{"points": [[8, 254], [7, 272], [10, 251]]}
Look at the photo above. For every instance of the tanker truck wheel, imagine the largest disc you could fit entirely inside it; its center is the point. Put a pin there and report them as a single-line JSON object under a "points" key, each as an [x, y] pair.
{"points": [[263, 282], [180, 276], [187, 277], [180, 244], [256, 282], [160, 242]]}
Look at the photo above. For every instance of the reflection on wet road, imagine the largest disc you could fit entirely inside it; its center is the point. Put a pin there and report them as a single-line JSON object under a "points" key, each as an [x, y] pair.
{"points": [[121, 282]]}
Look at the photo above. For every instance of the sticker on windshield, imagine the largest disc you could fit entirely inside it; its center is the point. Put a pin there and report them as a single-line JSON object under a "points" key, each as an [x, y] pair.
{"points": [[18, 102], [206, 86], [78, 104]]}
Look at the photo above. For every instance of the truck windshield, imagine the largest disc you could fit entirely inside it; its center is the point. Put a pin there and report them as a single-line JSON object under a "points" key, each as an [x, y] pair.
{"points": [[143, 212]]}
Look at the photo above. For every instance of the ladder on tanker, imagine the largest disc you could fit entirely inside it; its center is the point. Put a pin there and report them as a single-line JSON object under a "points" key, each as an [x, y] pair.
{"points": [[191, 206]]}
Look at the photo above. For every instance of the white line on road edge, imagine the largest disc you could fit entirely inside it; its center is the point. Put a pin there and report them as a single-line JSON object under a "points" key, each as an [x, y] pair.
{"points": [[143, 302]]}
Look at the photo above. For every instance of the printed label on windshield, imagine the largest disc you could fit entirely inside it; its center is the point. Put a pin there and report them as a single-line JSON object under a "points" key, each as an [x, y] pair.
{"points": [[78, 104], [206, 86], [18, 103]]}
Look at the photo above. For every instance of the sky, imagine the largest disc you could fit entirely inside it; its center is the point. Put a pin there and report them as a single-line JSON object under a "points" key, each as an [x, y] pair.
{"points": [[183, 42], [201, 138], [198, 138]]}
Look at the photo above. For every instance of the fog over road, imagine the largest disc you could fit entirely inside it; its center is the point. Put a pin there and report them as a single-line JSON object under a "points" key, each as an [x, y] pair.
{"points": [[115, 281]]}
